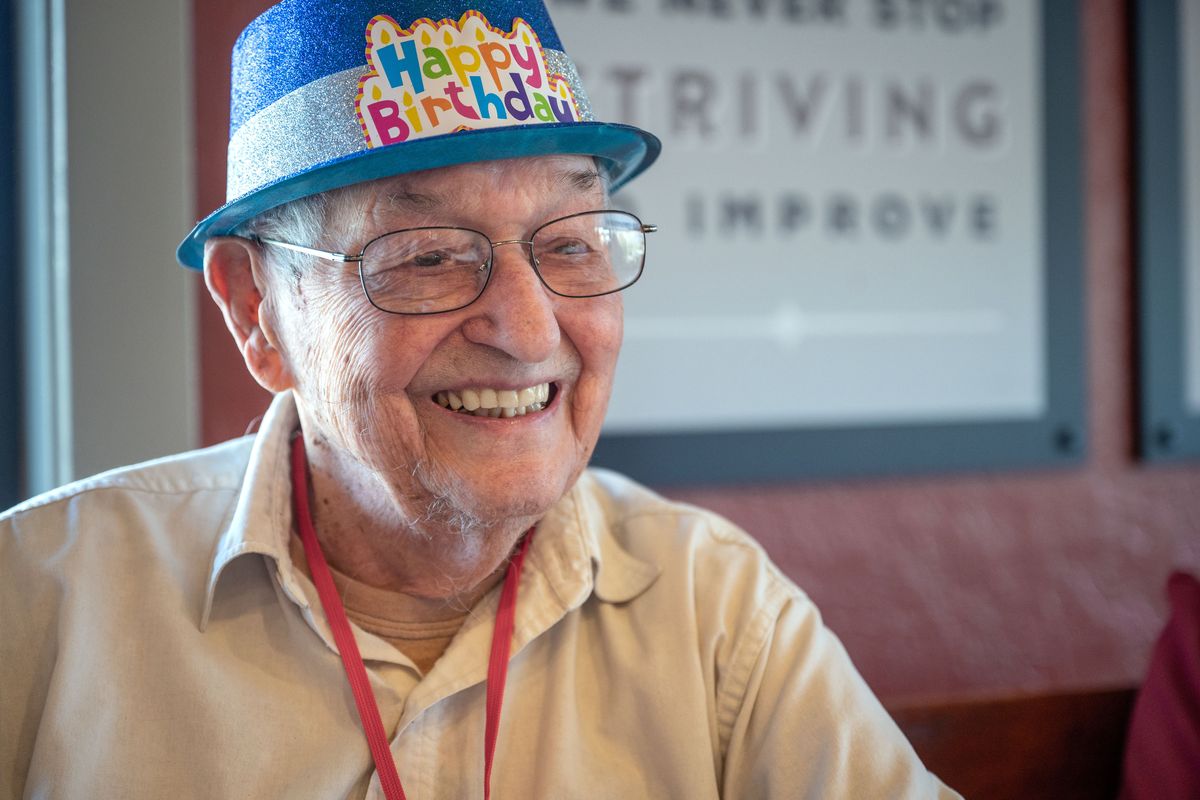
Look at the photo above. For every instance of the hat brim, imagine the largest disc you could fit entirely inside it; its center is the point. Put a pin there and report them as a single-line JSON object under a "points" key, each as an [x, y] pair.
{"points": [[625, 149]]}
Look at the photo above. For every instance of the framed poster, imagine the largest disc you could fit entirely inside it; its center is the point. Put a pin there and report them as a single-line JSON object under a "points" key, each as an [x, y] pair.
{"points": [[1168, 150], [869, 248]]}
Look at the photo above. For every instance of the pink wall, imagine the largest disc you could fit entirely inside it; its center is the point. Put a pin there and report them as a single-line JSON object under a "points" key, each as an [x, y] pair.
{"points": [[938, 586], [229, 398]]}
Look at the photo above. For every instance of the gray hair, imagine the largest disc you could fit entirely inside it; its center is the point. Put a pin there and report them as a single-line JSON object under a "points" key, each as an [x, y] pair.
{"points": [[301, 221]]}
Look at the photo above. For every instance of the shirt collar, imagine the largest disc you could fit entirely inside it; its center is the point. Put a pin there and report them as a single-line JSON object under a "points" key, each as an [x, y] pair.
{"points": [[618, 576], [262, 519], [575, 549]]}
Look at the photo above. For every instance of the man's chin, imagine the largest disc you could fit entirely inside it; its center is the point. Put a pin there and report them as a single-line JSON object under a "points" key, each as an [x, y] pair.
{"points": [[516, 503], [493, 501]]}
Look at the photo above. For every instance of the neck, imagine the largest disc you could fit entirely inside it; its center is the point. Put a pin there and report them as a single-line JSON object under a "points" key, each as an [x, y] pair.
{"points": [[369, 534]]}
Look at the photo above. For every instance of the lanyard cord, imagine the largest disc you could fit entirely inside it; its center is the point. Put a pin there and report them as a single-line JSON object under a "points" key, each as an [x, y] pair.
{"points": [[356, 672]]}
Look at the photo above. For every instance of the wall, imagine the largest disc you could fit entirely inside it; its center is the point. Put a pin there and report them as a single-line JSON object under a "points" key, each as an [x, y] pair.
{"points": [[106, 163], [1011, 582], [963, 585], [230, 400]]}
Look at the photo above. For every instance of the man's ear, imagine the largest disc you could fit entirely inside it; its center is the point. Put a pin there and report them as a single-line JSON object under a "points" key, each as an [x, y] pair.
{"points": [[234, 276]]}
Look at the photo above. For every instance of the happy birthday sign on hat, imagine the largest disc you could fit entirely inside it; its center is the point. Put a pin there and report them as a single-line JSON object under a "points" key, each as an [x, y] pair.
{"points": [[327, 93]]}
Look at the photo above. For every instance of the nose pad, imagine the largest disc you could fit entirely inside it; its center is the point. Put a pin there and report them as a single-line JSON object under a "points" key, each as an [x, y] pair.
{"points": [[530, 259], [528, 246]]}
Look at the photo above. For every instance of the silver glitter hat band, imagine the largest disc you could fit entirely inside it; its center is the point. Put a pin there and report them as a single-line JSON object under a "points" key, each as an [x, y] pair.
{"points": [[317, 123]]}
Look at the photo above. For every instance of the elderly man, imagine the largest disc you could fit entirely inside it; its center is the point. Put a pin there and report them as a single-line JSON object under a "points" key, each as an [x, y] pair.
{"points": [[408, 581]]}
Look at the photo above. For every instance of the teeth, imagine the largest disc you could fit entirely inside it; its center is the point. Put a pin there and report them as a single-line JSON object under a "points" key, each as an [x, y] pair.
{"points": [[496, 403]]}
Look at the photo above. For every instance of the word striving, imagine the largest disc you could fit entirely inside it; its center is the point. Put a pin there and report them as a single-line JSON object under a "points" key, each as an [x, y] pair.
{"points": [[818, 108], [439, 77]]}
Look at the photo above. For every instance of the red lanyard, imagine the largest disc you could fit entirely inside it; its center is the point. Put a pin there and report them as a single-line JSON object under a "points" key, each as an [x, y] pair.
{"points": [[356, 672]]}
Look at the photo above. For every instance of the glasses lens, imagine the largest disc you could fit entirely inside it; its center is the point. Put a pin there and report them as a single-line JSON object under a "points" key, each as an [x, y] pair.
{"points": [[425, 271], [590, 254]]}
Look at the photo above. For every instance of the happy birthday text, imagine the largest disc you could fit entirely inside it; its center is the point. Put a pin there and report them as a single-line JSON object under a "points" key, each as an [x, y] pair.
{"points": [[439, 77]]}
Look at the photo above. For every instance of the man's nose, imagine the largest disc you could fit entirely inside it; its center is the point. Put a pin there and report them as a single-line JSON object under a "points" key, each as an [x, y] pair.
{"points": [[516, 312]]}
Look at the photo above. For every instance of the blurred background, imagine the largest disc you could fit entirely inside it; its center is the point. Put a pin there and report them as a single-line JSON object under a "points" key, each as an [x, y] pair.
{"points": [[854, 247]]}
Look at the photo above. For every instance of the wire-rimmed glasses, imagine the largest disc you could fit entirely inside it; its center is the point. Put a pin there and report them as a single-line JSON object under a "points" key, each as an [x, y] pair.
{"points": [[439, 269]]}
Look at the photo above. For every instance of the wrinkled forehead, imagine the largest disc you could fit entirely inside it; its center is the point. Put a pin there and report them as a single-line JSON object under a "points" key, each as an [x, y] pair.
{"points": [[487, 187], [555, 175]]}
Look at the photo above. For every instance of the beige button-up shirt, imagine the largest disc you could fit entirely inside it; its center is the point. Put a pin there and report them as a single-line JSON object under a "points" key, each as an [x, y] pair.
{"points": [[158, 642]]}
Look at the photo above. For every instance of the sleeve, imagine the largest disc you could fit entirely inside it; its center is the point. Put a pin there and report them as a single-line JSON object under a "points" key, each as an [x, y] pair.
{"points": [[29, 601], [801, 722]]}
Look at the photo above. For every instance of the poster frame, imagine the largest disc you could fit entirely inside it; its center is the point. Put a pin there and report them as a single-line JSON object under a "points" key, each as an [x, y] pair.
{"points": [[1056, 438], [1167, 429]]}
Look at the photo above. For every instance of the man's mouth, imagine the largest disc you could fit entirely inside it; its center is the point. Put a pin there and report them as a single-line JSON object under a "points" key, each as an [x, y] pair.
{"points": [[496, 402]]}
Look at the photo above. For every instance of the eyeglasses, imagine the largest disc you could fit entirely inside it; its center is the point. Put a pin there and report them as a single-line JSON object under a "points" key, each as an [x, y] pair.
{"points": [[434, 270]]}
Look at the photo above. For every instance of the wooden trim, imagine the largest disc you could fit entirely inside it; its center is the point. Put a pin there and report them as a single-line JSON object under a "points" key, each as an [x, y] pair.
{"points": [[1064, 746]]}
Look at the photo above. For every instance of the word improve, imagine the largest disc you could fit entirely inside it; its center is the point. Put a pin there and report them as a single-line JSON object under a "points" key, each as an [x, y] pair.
{"points": [[439, 77], [841, 216]]}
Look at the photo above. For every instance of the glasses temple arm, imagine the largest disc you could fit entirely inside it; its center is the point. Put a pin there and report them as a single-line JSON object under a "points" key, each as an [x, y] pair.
{"points": [[311, 251]]}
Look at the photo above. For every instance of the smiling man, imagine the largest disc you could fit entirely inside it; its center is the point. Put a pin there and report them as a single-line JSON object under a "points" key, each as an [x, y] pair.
{"points": [[408, 580], [450, 393]]}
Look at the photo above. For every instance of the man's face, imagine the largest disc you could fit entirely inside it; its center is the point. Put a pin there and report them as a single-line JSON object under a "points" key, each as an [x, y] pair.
{"points": [[367, 382]]}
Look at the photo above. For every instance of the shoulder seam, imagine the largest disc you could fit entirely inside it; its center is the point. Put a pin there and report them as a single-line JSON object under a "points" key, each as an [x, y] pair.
{"points": [[76, 490], [714, 525], [166, 475]]}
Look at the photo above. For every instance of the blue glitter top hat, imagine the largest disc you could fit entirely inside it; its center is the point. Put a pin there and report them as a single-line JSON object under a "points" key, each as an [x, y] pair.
{"points": [[327, 93]]}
